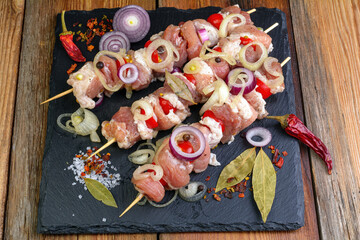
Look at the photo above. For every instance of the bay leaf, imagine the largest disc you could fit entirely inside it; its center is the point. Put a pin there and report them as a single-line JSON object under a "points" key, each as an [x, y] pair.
{"points": [[100, 192], [178, 87], [238, 169], [264, 183]]}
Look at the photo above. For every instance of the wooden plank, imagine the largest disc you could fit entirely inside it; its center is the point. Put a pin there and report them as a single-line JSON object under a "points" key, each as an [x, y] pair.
{"points": [[30, 118], [11, 16], [310, 230], [327, 42]]}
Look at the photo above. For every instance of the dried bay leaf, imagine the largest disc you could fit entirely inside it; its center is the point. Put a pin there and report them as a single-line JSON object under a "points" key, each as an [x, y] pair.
{"points": [[100, 192], [179, 87], [264, 183], [238, 169]]}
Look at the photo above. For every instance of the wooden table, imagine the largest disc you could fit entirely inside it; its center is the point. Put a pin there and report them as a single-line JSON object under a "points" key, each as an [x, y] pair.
{"points": [[324, 38]]}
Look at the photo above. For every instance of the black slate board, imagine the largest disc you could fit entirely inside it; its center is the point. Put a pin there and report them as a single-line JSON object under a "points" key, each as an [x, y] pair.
{"points": [[60, 209]]}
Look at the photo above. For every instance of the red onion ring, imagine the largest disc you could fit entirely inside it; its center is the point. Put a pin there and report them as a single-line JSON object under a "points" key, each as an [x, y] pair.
{"points": [[100, 100], [261, 132], [203, 35], [176, 69], [134, 73], [132, 20], [114, 41], [175, 149], [250, 84]]}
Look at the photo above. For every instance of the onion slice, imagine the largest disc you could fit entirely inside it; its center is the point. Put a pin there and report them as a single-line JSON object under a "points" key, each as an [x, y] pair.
{"points": [[142, 104], [100, 100], [131, 71], [213, 54], [179, 87], [143, 156], [243, 75], [191, 192], [176, 150], [279, 80], [141, 172], [192, 67], [256, 65], [223, 29], [219, 96], [159, 205], [203, 35], [101, 75], [261, 132], [170, 50], [132, 20], [114, 41]]}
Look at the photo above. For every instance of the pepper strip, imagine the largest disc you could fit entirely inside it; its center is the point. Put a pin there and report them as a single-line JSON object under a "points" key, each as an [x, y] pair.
{"points": [[296, 128], [66, 38]]}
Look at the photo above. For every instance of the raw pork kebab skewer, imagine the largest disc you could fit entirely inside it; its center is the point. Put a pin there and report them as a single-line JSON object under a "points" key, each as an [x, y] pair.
{"points": [[102, 75], [199, 73], [188, 148]]}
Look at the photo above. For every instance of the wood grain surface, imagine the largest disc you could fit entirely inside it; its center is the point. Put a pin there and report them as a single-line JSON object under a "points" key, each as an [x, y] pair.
{"points": [[30, 118], [11, 16], [327, 42], [310, 230]]}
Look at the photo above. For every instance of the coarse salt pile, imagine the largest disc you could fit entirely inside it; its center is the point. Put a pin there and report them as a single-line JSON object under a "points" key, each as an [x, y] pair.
{"points": [[95, 168]]}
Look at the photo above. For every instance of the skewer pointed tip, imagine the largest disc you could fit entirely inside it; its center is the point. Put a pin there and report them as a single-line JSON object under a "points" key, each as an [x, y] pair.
{"points": [[137, 199], [271, 27], [285, 61], [58, 96], [251, 11], [103, 147]]}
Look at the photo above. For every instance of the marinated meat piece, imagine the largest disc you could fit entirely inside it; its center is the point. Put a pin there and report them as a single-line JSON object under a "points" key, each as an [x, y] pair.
{"points": [[154, 190], [122, 128], [189, 33], [167, 121], [219, 66], [212, 32], [172, 33], [145, 73], [86, 85], [176, 172], [236, 116], [256, 100]]}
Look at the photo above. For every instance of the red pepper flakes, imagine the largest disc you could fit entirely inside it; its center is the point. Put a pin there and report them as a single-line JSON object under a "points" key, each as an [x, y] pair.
{"points": [[230, 179], [276, 154], [280, 162], [83, 174], [94, 28], [71, 69], [284, 153], [90, 48], [207, 178], [216, 197], [209, 190], [75, 24], [241, 195], [272, 147]]}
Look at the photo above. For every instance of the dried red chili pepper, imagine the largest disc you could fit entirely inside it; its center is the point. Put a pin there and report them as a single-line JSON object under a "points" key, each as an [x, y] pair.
{"points": [[66, 38], [296, 128]]}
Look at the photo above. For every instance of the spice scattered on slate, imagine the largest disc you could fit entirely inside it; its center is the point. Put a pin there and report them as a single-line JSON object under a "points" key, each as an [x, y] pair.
{"points": [[95, 168]]}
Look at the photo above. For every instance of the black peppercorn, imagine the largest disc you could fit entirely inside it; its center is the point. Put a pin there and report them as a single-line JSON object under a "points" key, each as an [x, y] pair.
{"points": [[99, 65]]}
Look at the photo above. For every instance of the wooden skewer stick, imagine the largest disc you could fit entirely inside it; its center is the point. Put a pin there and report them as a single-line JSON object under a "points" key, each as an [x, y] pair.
{"points": [[132, 204], [103, 147], [271, 27], [58, 96], [285, 61], [251, 11]]}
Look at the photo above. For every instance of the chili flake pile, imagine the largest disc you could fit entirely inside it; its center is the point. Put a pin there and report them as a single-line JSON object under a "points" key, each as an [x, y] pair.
{"points": [[94, 28], [228, 192], [277, 160], [95, 168]]}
